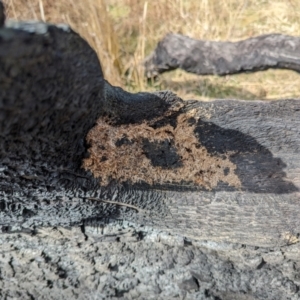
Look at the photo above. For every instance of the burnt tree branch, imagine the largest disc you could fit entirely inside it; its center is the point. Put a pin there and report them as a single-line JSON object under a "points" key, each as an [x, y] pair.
{"points": [[68, 136], [202, 57], [76, 151], [2, 14]]}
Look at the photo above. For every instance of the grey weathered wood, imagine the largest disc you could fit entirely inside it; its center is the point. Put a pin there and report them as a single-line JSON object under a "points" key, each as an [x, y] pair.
{"points": [[202, 57], [186, 238], [131, 262]]}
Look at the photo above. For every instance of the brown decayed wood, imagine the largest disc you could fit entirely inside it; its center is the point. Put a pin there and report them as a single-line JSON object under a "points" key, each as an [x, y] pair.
{"points": [[128, 162]]}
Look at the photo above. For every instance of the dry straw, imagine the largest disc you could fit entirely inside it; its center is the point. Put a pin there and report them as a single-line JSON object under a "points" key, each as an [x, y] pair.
{"points": [[123, 32]]}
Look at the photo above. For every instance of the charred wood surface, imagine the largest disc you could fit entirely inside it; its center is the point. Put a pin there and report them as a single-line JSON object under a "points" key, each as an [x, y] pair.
{"points": [[72, 146], [203, 197], [2, 14], [202, 57]]}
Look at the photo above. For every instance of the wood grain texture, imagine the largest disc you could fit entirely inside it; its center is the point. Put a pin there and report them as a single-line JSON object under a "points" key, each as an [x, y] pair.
{"points": [[262, 139], [221, 58]]}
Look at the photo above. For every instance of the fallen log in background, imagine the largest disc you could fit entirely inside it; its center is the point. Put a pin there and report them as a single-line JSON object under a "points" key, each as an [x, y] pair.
{"points": [[192, 199], [202, 57]]}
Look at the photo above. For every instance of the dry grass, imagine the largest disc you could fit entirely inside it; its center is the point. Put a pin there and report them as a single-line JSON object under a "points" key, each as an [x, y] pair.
{"points": [[123, 32]]}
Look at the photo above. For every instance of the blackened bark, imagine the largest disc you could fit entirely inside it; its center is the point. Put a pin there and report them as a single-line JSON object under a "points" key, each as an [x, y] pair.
{"points": [[185, 157], [52, 93], [2, 14], [202, 57]]}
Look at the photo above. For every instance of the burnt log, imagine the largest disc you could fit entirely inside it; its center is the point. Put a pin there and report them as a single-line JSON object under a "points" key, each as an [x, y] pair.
{"points": [[276, 51], [188, 198], [2, 14]]}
